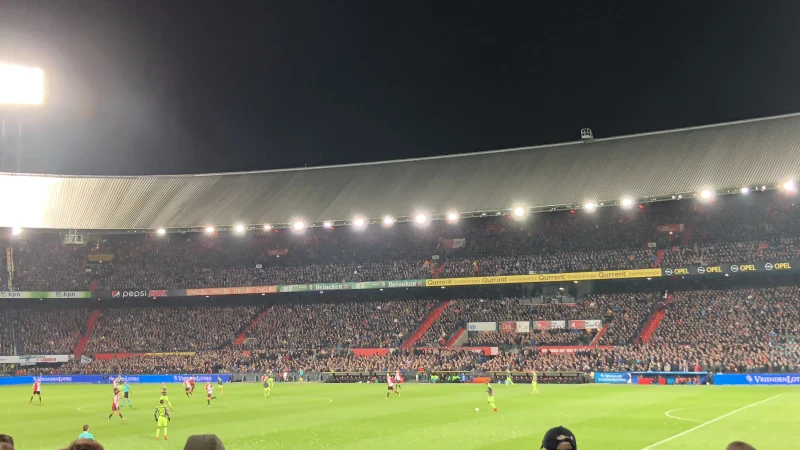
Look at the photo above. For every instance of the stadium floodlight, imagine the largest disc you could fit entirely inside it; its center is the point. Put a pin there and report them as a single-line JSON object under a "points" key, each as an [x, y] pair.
{"points": [[589, 206], [16, 231], [209, 230], [627, 202], [745, 190], [421, 218], [161, 231], [298, 225], [452, 217], [21, 85], [239, 228], [388, 221], [359, 222], [519, 211], [790, 186], [706, 194], [327, 224], [267, 227]]}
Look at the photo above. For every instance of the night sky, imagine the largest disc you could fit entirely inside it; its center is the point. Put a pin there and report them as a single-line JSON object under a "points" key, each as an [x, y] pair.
{"points": [[149, 87]]}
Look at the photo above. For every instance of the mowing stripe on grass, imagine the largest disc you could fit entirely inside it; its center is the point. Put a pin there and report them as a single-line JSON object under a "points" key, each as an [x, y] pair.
{"points": [[683, 433]]}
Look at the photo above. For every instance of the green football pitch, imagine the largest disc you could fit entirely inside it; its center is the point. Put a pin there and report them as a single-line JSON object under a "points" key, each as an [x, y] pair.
{"points": [[357, 416]]}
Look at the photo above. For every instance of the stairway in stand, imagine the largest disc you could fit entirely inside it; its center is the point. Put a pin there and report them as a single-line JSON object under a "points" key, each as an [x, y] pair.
{"points": [[652, 325], [455, 337], [240, 338], [91, 322], [426, 324], [599, 336]]}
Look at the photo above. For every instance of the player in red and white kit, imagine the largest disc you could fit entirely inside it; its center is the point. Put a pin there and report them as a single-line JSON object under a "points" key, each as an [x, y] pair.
{"points": [[191, 383], [398, 379], [390, 383], [210, 393], [187, 385], [37, 390], [115, 407]]}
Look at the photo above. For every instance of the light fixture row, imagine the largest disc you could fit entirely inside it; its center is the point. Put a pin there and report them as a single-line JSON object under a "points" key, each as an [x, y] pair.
{"points": [[517, 212]]}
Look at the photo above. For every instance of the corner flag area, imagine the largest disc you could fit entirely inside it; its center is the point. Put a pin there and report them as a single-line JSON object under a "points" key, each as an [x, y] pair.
{"points": [[348, 416]]}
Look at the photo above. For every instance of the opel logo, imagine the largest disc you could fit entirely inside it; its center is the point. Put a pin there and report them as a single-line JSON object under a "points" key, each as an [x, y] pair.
{"points": [[668, 271], [701, 270], [768, 266], [734, 268]]}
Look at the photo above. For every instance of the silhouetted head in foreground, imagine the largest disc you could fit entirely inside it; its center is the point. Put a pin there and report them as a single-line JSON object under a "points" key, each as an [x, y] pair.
{"points": [[739, 445], [203, 442], [559, 438], [85, 444]]}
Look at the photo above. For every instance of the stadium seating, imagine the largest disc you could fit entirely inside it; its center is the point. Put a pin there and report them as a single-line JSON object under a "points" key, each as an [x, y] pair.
{"points": [[727, 230], [168, 328], [312, 323], [49, 331]]}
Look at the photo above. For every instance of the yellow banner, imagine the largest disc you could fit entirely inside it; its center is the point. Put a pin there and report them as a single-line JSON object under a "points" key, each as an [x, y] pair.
{"points": [[172, 354], [100, 258], [546, 277]]}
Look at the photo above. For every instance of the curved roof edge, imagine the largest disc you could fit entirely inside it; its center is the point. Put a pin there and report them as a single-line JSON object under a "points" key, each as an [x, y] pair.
{"points": [[640, 166]]}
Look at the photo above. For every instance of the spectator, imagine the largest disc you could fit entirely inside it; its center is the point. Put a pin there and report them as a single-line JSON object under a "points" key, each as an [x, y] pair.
{"points": [[86, 434], [559, 438], [204, 442]]}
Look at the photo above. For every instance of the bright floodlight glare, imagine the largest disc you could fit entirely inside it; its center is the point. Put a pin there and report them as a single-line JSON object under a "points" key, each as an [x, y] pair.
{"points": [[267, 227], [745, 190], [359, 222], [421, 218], [209, 230], [627, 202], [452, 216], [161, 231], [706, 194], [328, 224], [21, 85], [589, 206], [790, 186], [299, 225], [388, 221], [239, 228], [16, 231], [519, 211]]}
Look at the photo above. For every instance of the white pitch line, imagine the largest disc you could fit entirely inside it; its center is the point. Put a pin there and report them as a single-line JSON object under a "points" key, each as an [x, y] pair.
{"points": [[683, 433], [681, 418]]}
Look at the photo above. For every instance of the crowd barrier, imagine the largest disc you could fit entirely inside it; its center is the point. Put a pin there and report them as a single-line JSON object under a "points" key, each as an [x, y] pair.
{"points": [[755, 379], [107, 379]]}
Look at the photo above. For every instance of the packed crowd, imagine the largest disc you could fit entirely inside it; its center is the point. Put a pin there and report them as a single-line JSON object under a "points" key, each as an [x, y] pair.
{"points": [[161, 328], [312, 323], [49, 331], [625, 314], [729, 230], [6, 333]]}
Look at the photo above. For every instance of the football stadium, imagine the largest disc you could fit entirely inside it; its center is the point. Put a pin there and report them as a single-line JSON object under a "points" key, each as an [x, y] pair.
{"points": [[642, 290]]}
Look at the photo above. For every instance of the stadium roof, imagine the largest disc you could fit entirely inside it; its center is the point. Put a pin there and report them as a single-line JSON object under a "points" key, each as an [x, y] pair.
{"points": [[730, 155]]}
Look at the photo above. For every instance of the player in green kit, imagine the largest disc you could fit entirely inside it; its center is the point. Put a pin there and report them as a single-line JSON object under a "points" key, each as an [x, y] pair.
{"points": [[267, 387], [509, 380], [271, 381], [162, 419], [164, 398], [220, 385], [490, 391], [534, 380]]}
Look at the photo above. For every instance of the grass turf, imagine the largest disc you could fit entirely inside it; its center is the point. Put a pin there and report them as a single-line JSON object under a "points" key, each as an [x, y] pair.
{"points": [[351, 416]]}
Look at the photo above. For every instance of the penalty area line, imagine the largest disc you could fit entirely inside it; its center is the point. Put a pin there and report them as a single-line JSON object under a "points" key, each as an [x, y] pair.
{"points": [[683, 433]]}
